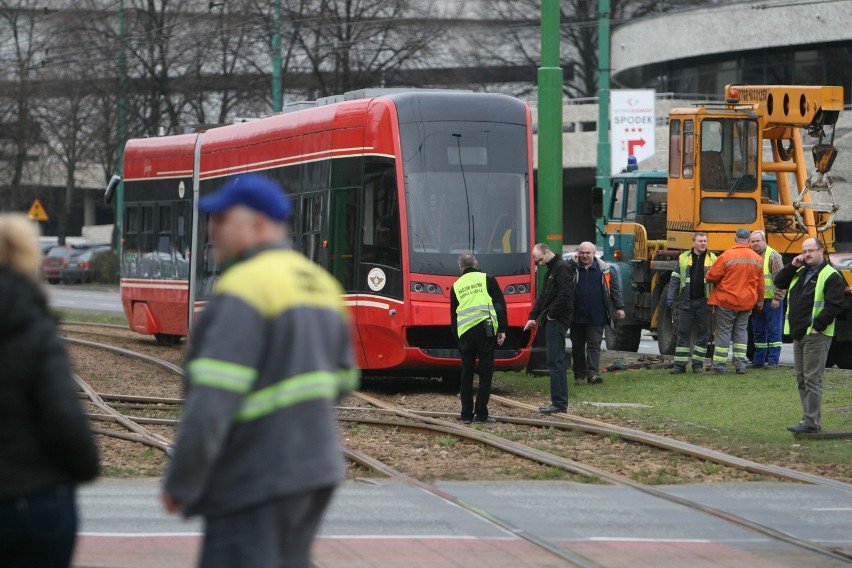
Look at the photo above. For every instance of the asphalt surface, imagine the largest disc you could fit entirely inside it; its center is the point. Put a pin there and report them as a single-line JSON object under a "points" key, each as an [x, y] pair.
{"points": [[380, 522], [85, 297]]}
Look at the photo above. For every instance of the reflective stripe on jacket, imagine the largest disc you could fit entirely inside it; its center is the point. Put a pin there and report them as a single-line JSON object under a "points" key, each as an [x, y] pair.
{"points": [[737, 277], [819, 299], [475, 304]]}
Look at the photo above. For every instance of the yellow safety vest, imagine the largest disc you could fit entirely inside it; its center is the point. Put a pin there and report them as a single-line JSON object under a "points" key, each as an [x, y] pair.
{"points": [[474, 302], [685, 262], [819, 300], [768, 281]]}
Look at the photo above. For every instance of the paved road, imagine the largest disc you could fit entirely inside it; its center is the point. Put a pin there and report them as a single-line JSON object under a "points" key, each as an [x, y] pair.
{"points": [[85, 297], [381, 523]]}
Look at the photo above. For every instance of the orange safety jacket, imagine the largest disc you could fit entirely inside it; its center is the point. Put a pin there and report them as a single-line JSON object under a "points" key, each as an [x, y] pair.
{"points": [[737, 277]]}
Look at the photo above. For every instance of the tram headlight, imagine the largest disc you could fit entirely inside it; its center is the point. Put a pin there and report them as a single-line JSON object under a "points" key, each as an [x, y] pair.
{"points": [[516, 289], [426, 288]]}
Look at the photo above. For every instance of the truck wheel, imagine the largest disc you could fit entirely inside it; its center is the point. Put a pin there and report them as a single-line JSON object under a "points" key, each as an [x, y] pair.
{"points": [[666, 328], [623, 337]]}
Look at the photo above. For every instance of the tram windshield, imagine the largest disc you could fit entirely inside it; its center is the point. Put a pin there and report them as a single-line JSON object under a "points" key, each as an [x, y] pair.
{"points": [[466, 190]]}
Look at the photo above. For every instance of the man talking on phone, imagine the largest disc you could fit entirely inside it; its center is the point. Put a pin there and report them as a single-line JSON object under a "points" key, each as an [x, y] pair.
{"points": [[814, 299]]}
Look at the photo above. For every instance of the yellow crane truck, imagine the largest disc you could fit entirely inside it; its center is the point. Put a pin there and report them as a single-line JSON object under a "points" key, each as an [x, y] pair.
{"points": [[737, 163]]}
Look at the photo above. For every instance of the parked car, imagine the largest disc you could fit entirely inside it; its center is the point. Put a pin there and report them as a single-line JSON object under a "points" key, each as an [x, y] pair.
{"points": [[79, 267], [57, 259]]}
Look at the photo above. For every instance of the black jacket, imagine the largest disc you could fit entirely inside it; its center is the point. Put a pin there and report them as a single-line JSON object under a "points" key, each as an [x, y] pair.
{"points": [[801, 300], [45, 439], [557, 295]]}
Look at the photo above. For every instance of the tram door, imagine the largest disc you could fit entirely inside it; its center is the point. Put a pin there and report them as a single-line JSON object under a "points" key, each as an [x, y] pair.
{"points": [[312, 230]]}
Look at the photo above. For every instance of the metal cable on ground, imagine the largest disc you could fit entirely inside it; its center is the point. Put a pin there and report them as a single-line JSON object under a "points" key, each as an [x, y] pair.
{"points": [[570, 465], [376, 465]]}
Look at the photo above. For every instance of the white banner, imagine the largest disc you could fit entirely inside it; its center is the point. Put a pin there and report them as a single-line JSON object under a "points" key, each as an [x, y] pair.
{"points": [[632, 124]]}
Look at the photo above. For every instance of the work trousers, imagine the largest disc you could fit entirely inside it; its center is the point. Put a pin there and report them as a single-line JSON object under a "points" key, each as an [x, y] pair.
{"points": [[473, 343], [586, 349], [809, 355], [692, 315], [766, 327], [38, 530], [731, 335], [554, 336], [274, 534]]}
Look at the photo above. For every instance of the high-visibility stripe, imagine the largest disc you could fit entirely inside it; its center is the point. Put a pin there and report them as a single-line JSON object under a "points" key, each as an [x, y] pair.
{"points": [[472, 309], [743, 261], [317, 385], [768, 281], [775, 344], [221, 374]]}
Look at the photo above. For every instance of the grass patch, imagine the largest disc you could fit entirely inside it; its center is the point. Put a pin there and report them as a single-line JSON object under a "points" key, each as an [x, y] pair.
{"points": [[447, 441], [90, 317], [744, 414]]}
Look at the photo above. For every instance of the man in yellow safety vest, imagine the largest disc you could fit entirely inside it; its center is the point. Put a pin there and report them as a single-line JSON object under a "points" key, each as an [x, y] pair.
{"points": [[815, 300], [478, 315], [766, 324]]}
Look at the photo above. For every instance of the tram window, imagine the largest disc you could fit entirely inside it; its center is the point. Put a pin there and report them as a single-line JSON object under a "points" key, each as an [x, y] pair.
{"points": [[346, 172], [130, 249], [380, 234], [182, 229]]}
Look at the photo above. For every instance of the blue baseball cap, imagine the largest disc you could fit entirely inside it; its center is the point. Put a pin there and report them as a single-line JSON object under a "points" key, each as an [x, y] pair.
{"points": [[255, 191]]}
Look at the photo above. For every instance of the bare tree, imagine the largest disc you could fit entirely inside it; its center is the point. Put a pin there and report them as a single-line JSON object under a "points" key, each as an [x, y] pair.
{"points": [[513, 35], [23, 47], [352, 44]]}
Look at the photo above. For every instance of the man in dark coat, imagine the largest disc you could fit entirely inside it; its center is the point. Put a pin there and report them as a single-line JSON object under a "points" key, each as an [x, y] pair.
{"points": [[556, 305]]}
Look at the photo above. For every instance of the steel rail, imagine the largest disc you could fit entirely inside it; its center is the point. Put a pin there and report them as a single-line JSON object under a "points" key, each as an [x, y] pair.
{"points": [[376, 465], [141, 399], [133, 438], [598, 427], [94, 324], [156, 440], [591, 471], [171, 367], [137, 419]]}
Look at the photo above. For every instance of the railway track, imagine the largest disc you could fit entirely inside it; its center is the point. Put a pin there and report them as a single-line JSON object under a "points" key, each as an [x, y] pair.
{"points": [[433, 422], [590, 471]]}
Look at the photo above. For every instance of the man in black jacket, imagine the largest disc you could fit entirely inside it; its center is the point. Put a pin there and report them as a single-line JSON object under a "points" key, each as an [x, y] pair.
{"points": [[815, 298], [556, 304], [478, 315]]}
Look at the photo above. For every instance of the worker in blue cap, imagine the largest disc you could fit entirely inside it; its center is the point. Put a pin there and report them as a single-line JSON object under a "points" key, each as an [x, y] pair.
{"points": [[257, 451]]}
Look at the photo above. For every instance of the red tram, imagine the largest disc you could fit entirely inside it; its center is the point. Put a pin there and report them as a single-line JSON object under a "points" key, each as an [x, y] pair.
{"points": [[388, 189]]}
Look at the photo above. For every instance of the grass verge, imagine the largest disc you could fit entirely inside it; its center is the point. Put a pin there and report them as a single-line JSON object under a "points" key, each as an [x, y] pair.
{"points": [[745, 415], [90, 317]]}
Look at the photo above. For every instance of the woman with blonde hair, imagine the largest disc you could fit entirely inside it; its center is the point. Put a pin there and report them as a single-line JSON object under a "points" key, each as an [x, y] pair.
{"points": [[46, 445]]}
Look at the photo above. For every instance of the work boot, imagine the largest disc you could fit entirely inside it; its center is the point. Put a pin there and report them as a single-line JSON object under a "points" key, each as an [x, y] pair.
{"points": [[677, 370], [697, 369]]}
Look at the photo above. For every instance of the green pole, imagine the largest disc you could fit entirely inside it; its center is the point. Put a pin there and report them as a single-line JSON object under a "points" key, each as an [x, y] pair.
{"points": [[549, 202], [602, 179], [121, 116], [277, 102]]}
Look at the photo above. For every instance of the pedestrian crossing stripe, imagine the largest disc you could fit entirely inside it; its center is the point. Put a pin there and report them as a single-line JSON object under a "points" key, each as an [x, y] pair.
{"points": [[37, 212]]}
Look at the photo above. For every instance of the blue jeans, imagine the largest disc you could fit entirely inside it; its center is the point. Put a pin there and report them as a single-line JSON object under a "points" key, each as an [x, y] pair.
{"points": [[767, 326], [554, 337], [38, 530]]}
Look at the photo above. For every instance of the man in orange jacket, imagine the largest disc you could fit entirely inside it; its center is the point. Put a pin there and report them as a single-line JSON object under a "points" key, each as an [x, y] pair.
{"points": [[738, 286]]}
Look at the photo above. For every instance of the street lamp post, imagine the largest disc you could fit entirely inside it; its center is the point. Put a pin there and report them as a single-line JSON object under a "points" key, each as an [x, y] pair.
{"points": [[602, 178]]}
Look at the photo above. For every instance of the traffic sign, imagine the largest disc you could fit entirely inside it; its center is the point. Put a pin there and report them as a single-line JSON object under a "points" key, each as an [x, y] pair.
{"points": [[632, 126], [37, 212]]}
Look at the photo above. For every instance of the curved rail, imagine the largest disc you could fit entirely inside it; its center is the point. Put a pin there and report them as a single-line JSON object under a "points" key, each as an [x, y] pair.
{"points": [[598, 427], [171, 367], [140, 434], [376, 465], [582, 469]]}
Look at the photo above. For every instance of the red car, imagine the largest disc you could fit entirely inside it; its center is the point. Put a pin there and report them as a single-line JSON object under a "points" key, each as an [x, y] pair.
{"points": [[57, 259]]}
